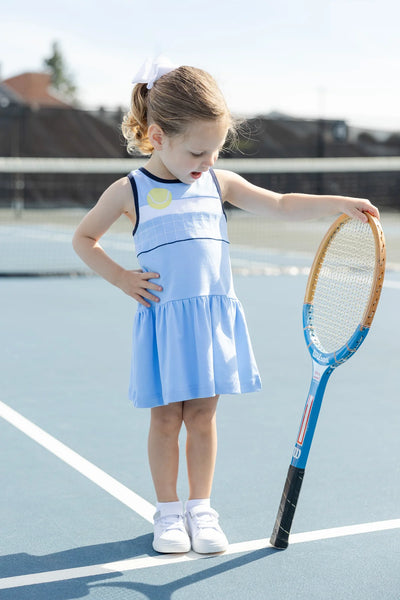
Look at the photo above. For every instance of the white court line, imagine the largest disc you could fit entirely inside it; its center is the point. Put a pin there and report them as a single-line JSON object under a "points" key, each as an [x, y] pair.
{"points": [[86, 468], [135, 564], [146, 510]]}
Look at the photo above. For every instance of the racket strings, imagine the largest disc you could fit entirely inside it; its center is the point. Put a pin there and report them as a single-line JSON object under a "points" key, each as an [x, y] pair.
{"points": [[344, 285]]}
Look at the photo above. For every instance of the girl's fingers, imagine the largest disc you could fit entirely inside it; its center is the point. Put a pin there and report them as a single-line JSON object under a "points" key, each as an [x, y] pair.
{"points": [[153, 286], [150, 296], [373, 211], [149, 284], [141, 286], [141, 300], [358, 210]]}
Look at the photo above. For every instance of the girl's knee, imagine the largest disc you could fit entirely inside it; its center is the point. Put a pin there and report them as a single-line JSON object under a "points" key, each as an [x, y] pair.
{"points": [[167, 419], [200, 414]]}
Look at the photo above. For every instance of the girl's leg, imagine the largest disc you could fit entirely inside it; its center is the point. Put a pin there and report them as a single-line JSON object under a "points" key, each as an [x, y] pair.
{"points": [[199, 417], [202, 521], [170, 534], [163, 448]]}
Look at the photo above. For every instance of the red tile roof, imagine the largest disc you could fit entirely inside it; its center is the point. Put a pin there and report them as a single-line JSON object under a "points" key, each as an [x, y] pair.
{"points": [[35, 89]]}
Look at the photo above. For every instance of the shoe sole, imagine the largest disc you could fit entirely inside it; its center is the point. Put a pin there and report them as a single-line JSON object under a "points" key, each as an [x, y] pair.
{"points": [[209, 548], [171, 548]]}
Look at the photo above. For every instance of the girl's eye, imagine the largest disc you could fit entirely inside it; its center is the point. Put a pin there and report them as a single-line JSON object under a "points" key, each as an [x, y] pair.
{"points": [[196, 154]]}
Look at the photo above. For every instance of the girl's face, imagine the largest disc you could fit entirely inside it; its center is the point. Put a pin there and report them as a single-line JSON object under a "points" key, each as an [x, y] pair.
{"points": [[187, 156]]}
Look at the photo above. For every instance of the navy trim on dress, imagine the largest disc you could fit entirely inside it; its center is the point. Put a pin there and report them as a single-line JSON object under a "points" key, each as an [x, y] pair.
{"points": [[146, 172], [136, 199], [213, 175], [184, 240]]}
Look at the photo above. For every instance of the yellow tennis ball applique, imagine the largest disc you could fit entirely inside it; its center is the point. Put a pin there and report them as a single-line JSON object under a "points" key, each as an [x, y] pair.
{"points": [[159, 198]]}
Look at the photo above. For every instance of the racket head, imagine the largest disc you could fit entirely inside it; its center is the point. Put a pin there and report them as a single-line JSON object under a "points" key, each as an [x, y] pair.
{"points": [[343, 289]]}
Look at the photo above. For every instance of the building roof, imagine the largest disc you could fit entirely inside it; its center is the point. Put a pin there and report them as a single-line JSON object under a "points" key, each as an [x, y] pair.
{"points": [[8, 96], [34, 89]]}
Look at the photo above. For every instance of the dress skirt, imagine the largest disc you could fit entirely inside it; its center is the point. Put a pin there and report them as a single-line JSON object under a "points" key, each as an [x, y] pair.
{"points": [[192, 348]]}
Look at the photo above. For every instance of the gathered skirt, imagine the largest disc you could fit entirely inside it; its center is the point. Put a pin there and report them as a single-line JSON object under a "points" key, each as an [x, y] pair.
{"points": [[192, 348]]}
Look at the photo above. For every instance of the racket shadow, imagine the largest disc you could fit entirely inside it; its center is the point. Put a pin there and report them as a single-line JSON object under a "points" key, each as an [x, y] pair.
{"points": [[166, 591]]}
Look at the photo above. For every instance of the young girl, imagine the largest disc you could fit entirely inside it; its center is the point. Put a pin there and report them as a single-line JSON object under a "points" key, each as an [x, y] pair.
{"points": [[190, 340]]}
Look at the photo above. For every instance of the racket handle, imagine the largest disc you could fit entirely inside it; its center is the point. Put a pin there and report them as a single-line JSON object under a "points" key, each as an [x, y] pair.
{"points": [[280, 535]]}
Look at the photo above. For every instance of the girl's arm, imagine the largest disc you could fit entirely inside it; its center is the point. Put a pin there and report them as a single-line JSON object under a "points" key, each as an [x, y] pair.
{"points": [[238, 191], [114, 202]]}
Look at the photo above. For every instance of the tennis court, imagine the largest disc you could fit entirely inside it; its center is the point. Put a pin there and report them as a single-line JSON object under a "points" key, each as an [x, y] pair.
{"points": [[77, 494]]}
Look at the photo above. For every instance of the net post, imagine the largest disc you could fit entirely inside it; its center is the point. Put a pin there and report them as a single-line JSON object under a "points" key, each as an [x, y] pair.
{"points": [[18, 202]]}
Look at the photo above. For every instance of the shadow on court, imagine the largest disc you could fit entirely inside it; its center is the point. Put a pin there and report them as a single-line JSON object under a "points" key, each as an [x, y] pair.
{"points": [[165, 591], [25, 564], [79, 588]]}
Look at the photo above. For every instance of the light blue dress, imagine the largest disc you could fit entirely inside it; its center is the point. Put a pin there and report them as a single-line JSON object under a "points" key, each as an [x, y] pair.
{"points": [[194, 342]]}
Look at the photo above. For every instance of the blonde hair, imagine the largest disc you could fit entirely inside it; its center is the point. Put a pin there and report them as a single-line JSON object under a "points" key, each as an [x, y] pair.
{"points": [[176, 99]]}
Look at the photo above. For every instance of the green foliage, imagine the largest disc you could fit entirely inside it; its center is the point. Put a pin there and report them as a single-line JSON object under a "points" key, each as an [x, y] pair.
{"points": [[61, 79]]}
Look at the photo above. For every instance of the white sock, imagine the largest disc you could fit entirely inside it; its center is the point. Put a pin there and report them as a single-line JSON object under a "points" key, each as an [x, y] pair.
{"points": [[200, 502], [170, 508]]}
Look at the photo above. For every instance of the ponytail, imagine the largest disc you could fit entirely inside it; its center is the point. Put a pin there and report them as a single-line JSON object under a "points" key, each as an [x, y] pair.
{"points": [[135, 124]]}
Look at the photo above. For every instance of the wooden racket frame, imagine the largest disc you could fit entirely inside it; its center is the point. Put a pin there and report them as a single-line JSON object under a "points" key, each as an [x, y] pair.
{"points": [[379, 270]]}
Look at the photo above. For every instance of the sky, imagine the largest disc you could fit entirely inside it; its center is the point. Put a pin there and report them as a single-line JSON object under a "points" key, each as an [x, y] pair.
{"points": [[335, 59]]}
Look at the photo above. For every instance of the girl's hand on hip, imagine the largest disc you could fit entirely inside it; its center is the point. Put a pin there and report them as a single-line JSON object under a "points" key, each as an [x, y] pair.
{"points": [[137, 285]]}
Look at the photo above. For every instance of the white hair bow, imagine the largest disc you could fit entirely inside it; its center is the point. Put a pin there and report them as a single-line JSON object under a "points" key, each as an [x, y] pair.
{"points": [[153, 70]]}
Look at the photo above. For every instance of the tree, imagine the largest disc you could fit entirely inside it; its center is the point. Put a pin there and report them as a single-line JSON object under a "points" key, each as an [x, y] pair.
{"points": [[61, 79]]}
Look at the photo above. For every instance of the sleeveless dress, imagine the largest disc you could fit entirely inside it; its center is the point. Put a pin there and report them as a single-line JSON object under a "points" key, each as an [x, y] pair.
{"points": [[194, 342]]}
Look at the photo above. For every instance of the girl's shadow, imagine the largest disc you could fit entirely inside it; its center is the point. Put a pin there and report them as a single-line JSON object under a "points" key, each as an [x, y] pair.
{"points": [[20, 564]]}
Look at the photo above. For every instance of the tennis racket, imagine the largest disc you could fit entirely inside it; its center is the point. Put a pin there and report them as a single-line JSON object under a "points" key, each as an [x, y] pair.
{"points": [[342, 295]]}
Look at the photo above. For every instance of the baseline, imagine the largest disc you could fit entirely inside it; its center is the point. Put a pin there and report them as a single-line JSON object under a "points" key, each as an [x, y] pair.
{"points": [[135, 564]]}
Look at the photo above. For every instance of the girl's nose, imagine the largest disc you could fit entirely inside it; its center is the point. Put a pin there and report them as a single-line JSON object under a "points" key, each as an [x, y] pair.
{"points": [[210, 160]]}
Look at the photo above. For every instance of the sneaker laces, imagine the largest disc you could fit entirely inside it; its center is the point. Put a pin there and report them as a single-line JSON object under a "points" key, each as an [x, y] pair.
{"points": [[169, 522], [206, 519]]}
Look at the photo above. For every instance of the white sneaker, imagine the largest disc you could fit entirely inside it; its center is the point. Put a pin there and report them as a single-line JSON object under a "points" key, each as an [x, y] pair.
{"points": [[170, 535], [204, 531]]}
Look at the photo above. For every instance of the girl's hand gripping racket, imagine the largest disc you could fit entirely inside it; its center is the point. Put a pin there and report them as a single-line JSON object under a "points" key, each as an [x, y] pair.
{"points": [[341, 298]]}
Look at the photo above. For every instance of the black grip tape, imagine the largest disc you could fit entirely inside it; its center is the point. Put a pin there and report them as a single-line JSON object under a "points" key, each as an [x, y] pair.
{"points": [[280, 535]]}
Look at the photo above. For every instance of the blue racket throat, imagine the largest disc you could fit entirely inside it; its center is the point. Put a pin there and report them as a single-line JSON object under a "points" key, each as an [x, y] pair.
{"points": [[331, 359]]}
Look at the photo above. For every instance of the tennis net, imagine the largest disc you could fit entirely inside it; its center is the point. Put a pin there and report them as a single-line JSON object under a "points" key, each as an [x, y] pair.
{"points": [[43, 200]]}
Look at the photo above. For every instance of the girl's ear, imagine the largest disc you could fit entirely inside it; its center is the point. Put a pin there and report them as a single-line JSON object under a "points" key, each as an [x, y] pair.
{"points": [[156, 136]]}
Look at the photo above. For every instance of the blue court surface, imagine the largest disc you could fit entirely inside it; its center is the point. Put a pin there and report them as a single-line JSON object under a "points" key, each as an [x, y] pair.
{"points": [[77, 497]]}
